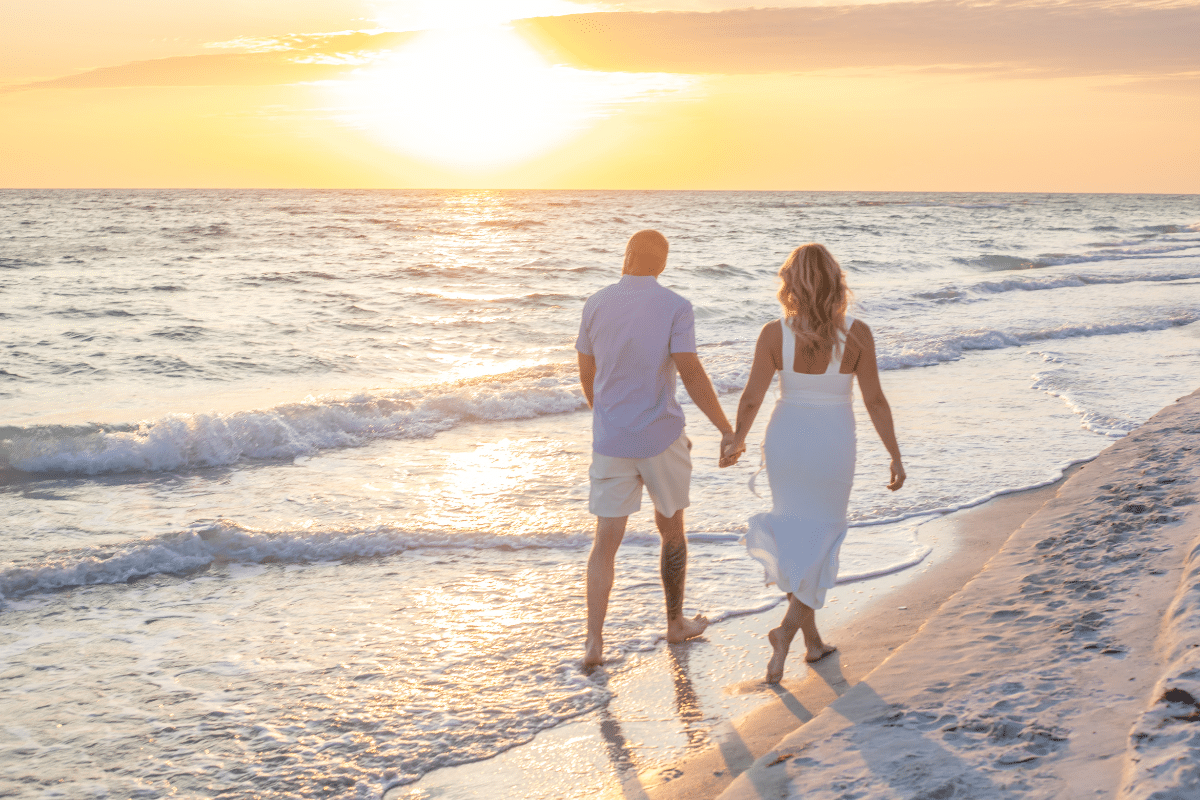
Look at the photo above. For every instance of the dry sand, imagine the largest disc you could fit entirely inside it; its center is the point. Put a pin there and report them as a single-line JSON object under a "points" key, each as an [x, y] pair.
{"points": [[1068, 668]]}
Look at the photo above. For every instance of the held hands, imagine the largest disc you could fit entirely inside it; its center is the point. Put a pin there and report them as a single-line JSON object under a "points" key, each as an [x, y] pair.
{"points": [[898, 475], [731, 449]]}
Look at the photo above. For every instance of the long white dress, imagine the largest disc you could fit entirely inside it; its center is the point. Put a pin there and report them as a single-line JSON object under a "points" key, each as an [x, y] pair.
{"points": [[810, 450]]}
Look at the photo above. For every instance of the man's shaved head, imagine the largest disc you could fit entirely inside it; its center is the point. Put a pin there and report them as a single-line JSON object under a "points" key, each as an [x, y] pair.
{"points": [[646, 254]]}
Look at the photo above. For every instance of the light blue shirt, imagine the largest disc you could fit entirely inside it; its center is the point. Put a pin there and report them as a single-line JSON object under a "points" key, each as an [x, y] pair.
{"points": [[631, 328]]}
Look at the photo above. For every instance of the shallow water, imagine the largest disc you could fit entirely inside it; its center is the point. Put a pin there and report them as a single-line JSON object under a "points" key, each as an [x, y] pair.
{"points": [[283, 470]]}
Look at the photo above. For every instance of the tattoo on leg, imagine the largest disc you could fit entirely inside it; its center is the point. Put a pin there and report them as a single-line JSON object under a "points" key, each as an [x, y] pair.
{"points": [[673, 565]]}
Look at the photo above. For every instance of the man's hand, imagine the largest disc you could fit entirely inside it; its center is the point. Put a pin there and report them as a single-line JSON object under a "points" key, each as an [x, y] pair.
{"points": [[587, 376], [700, 389]]}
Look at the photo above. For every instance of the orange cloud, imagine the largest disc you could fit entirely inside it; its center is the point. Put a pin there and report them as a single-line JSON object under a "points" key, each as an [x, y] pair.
{"points": [[1063, 39], [1067, 39], [290, 59]]}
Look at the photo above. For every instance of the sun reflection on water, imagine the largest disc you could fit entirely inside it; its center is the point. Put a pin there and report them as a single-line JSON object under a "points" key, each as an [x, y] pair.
{"points": [[475, 481]]}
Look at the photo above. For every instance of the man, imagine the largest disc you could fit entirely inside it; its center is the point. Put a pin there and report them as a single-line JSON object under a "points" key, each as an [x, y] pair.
{"points": [[634, 337]]}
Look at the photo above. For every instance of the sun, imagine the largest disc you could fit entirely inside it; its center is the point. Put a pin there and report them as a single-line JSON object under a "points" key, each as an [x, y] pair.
{"points": [[481, 97]]}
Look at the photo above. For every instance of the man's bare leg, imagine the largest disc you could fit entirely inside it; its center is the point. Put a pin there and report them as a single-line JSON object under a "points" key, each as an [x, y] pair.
{"points": [[798, 617], [609, 533], [673, 566]]}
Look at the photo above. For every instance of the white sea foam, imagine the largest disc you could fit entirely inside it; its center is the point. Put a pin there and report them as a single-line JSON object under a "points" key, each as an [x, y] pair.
{"points": [[188, 550], [952, 347], [1042, 283], [867, 554], [1095, 421], [180, 441]]}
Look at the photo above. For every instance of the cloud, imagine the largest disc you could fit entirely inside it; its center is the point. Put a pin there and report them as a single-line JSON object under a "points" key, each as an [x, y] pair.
{"points": [[1080, 38], [1148, 39], [281, 60]]}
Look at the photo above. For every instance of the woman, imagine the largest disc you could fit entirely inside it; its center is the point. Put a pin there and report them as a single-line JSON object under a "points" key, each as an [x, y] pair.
{"points": [[810, 443]]}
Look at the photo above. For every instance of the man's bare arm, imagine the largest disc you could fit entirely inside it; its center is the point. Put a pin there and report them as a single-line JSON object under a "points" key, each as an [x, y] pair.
{"points": [[587, 375], [700, 389]]}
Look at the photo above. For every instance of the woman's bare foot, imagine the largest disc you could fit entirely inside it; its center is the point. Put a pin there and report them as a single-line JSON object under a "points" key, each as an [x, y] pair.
{"points": [[593, 653], [817, 653], [775, 665], [682, 629]]}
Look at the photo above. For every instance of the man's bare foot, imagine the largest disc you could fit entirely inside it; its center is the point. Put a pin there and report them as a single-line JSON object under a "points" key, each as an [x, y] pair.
{"points": [[593, 654], [775, 665], [817, 653], [682, 629]]}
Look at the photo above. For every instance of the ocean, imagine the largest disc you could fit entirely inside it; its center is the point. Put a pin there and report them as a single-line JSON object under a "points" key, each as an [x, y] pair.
{"points": [[294, 483]]}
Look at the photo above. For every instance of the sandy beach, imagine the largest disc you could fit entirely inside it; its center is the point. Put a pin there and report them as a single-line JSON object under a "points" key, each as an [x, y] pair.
{"points": [[1069, 667]]}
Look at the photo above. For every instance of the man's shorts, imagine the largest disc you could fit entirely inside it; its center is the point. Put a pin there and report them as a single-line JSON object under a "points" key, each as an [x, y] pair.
{"points": [[617, 482]]}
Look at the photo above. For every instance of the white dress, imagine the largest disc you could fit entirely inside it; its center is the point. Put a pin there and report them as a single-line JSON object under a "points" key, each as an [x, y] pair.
{"points": [[809, 450]]}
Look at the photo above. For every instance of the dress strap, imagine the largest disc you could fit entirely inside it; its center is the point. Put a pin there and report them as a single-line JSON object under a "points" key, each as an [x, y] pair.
{"points": [[789, 345], [839, 349]]}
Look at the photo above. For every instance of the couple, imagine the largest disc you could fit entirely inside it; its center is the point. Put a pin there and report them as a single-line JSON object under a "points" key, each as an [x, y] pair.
{"points": [[634, 337]]}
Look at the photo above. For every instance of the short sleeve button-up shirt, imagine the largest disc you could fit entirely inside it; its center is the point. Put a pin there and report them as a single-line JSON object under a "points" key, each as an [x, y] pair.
{"points": [[631, 328]]}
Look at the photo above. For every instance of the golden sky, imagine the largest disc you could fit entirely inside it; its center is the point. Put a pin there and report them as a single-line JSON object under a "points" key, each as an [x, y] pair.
{"points": [[1009, 95]]}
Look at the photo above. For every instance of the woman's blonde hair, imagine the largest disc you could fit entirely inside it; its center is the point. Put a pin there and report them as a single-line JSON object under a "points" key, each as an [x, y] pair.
{"points": [[814, 295]]}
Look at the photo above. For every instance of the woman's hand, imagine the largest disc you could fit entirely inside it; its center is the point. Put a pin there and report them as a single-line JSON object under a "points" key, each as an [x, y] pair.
{"points": [[898, 475]]}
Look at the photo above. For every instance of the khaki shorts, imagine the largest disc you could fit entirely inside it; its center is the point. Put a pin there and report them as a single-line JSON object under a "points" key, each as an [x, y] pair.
{"points": [[617, 482]]}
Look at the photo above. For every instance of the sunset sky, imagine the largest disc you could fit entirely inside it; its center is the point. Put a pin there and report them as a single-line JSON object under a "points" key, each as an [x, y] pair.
{"points": [[1068, 96]]}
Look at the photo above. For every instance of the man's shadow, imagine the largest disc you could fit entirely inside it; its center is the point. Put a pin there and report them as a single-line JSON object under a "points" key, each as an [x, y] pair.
{"points": [[691, 717], [687, 702], [622, 757]]}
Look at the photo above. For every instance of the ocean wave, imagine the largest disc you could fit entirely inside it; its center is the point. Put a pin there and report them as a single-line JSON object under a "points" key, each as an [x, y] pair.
{"points": [[1109, 251], [217, 229], [198, 440], [1183, 249], [84, 313], [926, 204], [952, 347], [998, 262], [1057, 385], [224, 541], [1042, 282], [180, 441], [512, 224]]}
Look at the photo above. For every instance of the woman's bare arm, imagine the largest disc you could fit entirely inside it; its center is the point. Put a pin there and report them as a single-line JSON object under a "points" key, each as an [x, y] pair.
{"points": [[877, 405], [762, 372]]}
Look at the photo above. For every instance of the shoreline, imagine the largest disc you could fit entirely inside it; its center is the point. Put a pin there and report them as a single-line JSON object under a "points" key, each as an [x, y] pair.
{"points": [[670, 693], [1068, 667]]}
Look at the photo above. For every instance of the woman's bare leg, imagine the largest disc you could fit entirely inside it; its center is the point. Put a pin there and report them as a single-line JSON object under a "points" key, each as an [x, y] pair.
{"points": [[798, 617]]}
